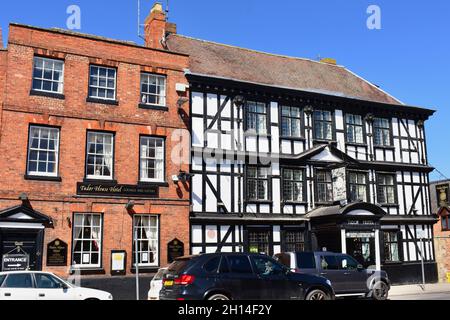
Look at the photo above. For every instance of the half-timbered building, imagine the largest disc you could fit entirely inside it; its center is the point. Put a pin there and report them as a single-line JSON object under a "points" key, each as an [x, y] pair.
{"points": [[292, 154]]}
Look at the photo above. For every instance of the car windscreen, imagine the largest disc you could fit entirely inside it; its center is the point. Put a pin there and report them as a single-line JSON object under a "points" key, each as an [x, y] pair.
{"points": [[160, 274], [178, 266], [306, 260]]}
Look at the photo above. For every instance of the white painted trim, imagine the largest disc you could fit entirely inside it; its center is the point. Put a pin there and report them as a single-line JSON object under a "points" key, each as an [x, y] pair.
{"points": [[377, 250], [18, 225]]}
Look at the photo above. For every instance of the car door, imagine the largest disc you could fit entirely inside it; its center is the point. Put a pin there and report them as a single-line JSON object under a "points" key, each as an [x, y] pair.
{"points": [[329, 268], [274, 281], [355, 278], [238, 278], [18, 286], [49, 287]]}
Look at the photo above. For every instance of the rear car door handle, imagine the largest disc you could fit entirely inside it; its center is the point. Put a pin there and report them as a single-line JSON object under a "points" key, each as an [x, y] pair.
{"points": [[41, 295], [7, 294]]}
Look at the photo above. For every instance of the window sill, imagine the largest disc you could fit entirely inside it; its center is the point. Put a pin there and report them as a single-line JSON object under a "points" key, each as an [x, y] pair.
{"points": [[47, 94], [258, 202], [87, 180], [103, 101], [87, 271], [42, 178], [292, 138], [153, 107], [354, 144], [384, 147], [158, 184]]}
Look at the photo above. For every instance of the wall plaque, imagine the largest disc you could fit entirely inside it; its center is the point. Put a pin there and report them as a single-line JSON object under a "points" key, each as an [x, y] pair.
{"points": [[175, 249], [117, 190], [57, 253]]}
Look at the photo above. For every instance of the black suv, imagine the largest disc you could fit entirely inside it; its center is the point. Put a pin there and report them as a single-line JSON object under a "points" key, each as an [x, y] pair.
{"points": [[237, 276], [347, 277]]}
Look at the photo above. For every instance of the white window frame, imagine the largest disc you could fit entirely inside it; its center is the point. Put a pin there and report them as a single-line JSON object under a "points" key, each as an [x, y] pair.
{"points": [[94, 176], [161, 97], [90, 252], [143, 159], [37, 173], [140, 239], [98, 83], [60, 82]]}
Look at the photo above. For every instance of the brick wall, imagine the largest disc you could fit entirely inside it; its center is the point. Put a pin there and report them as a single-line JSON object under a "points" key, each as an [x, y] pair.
{"points": [[75, 116], [442, 249]]}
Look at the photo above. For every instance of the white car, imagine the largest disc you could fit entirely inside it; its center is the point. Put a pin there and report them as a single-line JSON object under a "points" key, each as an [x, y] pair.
{"points": [[37, 285], [156, 284]]}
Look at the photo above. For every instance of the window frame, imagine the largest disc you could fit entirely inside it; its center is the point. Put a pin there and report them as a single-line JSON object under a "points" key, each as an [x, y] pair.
{"points": [[37, 175], [389, 130], [98, 86], [113, 151], [399, 243], [151, 181], [304, 185], [158, 77], [363, 126], [61, 82], [300, 118], [100, 258], [332, 122], [158, 239], [444, 219], [349, 184], [269, 184], [266, 114], [394, 186], [316, 185]]}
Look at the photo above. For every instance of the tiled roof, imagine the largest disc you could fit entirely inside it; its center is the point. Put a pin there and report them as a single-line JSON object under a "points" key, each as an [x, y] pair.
{"points": [[224, 61]]}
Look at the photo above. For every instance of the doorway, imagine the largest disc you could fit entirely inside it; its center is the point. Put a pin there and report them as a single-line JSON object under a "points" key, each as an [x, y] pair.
{"points": [[362, 248], [20, 242]]}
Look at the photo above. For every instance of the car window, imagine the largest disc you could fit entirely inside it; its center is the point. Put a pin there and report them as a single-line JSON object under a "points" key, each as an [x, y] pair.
{"points": [[239, 264], [178, 265], [224, 268], [266, 267], [20, 280], [347, 263], [1, 279], [329, 263], [306, 260], [46, 281], [160, 274], [212, 266], [284, 258]]}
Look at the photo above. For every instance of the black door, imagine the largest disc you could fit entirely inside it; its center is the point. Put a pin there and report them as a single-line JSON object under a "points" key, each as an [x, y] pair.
{"points": [[23, 241]]}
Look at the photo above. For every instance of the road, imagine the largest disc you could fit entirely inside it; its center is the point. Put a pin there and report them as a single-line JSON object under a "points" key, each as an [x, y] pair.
{"points": [[424, 296]]}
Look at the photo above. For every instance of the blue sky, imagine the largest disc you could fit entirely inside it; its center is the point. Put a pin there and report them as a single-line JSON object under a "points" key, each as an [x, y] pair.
{"points": [[409, 57]]}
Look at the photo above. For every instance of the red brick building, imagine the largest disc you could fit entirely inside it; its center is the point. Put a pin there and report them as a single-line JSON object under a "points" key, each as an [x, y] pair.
{"points": [[88, 126]]}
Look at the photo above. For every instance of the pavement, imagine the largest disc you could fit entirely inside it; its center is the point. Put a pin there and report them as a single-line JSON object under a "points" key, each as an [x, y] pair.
{"points": [[438, 291]]}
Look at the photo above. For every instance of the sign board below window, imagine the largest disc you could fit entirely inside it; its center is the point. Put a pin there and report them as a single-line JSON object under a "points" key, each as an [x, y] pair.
{"points": [[117, 190]]}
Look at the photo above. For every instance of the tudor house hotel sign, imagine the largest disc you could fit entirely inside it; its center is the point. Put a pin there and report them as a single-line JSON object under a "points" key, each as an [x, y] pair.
{"points": [[117, 190]]}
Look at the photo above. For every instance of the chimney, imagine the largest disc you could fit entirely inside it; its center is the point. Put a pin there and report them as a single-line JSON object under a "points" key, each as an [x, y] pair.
{"points": [[157, 27]]}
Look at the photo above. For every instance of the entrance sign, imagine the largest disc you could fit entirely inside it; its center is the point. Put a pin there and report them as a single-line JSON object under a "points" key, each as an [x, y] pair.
{"points": [[175, 249], [15, 262], [354, 235], [57, 254]]}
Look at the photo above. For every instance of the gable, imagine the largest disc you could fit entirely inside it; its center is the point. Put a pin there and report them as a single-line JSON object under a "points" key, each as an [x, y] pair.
{"points": [[327, 156]]}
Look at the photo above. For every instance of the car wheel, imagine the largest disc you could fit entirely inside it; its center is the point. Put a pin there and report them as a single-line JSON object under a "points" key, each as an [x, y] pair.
{"points": [[218, 297], [380, 291], [317, 295]]}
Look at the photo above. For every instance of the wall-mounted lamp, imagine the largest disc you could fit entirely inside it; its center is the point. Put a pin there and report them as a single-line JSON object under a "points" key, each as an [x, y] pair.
{"points": [[239, 101], [130, 205], [182, 177]]}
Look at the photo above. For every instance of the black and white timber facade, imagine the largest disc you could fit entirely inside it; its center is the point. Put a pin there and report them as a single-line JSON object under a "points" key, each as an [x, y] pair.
{"points": [[278, 169]]}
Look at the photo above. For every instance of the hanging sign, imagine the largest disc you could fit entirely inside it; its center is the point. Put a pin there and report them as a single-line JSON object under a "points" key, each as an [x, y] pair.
{"points": [[15, 262]]}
